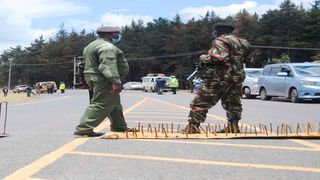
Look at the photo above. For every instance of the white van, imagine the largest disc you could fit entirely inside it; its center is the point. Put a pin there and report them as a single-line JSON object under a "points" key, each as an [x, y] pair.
{"points": [[149, 83]]}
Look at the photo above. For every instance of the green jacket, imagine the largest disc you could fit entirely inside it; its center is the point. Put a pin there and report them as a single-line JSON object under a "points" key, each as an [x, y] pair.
{"points": [[103, 58], [174, 82]]}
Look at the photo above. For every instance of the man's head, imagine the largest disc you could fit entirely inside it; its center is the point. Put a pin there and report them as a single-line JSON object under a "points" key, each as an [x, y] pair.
{"points": [[110, 33], [222, 28]]}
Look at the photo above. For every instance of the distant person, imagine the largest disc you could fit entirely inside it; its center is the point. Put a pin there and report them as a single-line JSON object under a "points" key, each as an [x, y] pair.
{"points": [[160, 83], [62, 87], [196, 84], [29, 91], [50, 87], [5, 91], [105, 67], [174, 84]]}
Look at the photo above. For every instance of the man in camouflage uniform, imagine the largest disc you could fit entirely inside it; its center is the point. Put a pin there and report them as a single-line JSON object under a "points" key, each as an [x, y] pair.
{"points": [[222, 76], [105, 66]]}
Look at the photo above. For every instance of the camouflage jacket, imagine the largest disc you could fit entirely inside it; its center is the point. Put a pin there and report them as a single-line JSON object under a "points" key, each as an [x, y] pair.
{"points": [[227, 54], [103, 58]]}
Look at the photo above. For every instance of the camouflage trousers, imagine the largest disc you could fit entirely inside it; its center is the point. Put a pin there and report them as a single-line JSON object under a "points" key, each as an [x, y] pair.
{"points": [[210, 92]]}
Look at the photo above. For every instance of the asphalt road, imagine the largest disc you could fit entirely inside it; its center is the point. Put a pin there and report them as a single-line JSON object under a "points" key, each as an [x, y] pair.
{"points": [[41, 144]]}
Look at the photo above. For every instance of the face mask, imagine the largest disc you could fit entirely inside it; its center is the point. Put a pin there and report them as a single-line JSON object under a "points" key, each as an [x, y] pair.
{"points": [[117, 38]]}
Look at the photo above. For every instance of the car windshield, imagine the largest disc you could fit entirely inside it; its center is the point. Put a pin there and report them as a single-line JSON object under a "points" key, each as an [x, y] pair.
{"points": [[135, 83], [253, 73], [308, 71]]}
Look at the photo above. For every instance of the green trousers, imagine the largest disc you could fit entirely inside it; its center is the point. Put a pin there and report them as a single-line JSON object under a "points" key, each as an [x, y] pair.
{"points": [[104, 104]]}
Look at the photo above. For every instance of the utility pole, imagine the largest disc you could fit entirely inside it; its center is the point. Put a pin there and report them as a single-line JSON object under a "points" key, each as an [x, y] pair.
{"points": [[74, 72], [9, 78]]}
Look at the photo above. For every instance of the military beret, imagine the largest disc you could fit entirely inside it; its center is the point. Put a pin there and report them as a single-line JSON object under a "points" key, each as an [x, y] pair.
{"points": [[223, 26], [108, 29]]}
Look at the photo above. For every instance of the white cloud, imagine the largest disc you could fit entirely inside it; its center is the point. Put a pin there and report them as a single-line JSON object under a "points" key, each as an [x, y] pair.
{"points": [[224, 11], [250, 6], [114, 19], [16, 19]]}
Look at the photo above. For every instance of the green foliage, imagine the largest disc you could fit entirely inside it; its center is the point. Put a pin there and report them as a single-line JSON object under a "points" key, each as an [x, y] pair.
{"points": [[284, 58]]}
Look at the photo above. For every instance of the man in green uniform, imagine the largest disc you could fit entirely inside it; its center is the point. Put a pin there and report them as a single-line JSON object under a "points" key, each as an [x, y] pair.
{"points": [[174, 84], [222, 76], [62, 87], [105, 66]]}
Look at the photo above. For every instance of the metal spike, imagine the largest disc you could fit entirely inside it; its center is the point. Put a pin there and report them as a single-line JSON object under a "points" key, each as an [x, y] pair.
{"points": [[155, 130], [266, 129], [209, 126], [142, 132], [255, 131], [207, 129], [178, 128], [165, 132], [138, 127], [201, 129], [171, 128], [270, 128], [245, 132]]}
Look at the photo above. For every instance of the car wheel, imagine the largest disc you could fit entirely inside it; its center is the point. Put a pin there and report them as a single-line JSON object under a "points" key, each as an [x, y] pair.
{"points": [[263, 95], [247, 93], [294, 96]]}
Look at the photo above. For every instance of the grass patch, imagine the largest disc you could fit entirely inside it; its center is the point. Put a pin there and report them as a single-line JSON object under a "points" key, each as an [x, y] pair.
{"points": [[16, 97]]}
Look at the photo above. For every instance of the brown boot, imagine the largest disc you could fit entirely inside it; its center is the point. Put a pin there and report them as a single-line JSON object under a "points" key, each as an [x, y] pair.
{"points": [[192, 128]]}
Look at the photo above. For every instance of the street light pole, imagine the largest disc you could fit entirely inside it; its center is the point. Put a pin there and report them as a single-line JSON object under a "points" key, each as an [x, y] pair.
{"points": [[9, 79]]}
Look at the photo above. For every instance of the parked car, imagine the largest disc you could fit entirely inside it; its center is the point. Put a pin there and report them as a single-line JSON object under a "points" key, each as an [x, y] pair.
{"points": [[132, 85], [149, 83], [250, 84], [295, 81], [20, 88]]}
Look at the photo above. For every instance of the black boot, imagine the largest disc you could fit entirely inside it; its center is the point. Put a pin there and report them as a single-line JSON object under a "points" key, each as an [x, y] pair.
{"points": [[232, 127], [192, 128]]}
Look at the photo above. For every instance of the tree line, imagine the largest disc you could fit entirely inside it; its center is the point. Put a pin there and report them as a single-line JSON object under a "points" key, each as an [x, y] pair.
{"points": [[172, 46]]}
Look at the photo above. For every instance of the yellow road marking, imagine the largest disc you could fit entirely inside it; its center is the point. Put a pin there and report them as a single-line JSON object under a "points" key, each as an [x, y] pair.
{"points": [[306, 143], [196, 161], [37, 165], [230, 144]]}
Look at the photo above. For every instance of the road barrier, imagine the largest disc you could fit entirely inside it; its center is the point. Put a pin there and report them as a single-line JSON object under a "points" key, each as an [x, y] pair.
{"points": [[261, 131], [3, 118]]}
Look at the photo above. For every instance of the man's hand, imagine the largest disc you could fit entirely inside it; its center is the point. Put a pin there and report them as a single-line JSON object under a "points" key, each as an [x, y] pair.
{"points": [[116, 88], [204, 58]]}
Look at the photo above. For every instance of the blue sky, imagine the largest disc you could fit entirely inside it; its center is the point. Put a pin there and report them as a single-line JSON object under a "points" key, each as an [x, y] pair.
{"points": [[22, 21]]}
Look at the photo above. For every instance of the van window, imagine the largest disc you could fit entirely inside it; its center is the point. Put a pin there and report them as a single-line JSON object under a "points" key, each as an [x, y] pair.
{"points": [[274, 71]]}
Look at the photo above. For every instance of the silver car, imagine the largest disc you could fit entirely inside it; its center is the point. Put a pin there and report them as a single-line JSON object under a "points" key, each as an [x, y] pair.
{"points": [[250, 84], [132, 85], [295, 81]]}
